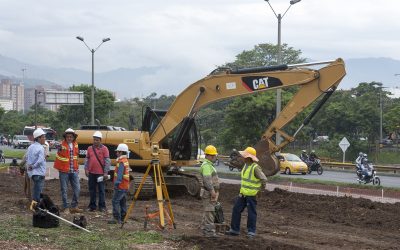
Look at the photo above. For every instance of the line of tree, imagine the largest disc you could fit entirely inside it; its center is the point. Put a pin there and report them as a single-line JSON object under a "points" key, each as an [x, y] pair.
{"points": [[238, 122]]}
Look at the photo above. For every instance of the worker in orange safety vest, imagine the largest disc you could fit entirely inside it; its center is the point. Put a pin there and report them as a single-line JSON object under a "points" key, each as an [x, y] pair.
{"points": [[121, 184], [67, 165]]}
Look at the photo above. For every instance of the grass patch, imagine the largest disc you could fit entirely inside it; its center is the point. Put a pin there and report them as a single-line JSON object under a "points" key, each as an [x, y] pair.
{"points": [[65, 237], [10, 153]]}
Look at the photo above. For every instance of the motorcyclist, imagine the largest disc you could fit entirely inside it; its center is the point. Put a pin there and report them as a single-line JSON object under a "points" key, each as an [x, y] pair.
{"points": [[366, 167], [313, 156], [304, 156], [359, 159]]}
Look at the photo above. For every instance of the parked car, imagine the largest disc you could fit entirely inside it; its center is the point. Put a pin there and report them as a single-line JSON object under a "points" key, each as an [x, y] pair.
{"points": [[21, 141], [290, 163]]}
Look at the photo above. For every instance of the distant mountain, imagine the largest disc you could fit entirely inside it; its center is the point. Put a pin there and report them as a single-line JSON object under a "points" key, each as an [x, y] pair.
{"points": [[119, 80], [125, 81]]}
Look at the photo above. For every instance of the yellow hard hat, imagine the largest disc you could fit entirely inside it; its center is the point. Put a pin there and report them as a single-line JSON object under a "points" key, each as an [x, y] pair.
{"points": [[249, 152], [210, 150]]}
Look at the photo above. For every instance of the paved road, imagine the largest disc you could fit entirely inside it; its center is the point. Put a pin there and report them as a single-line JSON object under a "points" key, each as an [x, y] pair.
{"points": [[337, 176]]}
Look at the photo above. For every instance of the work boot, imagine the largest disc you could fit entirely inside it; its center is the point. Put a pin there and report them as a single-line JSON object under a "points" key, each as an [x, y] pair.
{"points": [[231, 233], [113, 221], [75, 210]]}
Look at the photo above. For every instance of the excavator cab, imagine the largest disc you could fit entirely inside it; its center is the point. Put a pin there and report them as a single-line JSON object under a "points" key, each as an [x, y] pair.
{"points": [[182, 142]]}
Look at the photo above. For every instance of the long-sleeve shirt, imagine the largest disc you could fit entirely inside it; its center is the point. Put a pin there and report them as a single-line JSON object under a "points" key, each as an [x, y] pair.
{"points": [[36, 160], [260, 175], [210, 176], [119, 174], [92, 164]]}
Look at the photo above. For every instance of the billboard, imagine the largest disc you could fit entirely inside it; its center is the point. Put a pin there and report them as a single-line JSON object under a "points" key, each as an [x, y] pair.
{"points": [[64, 97]]}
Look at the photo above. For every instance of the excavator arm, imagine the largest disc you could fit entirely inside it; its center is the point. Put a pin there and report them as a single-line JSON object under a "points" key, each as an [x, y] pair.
{"points": [[228, 83]]}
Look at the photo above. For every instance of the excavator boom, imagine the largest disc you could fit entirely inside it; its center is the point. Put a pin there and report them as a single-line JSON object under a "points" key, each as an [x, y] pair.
{"points": [[228, 83]]}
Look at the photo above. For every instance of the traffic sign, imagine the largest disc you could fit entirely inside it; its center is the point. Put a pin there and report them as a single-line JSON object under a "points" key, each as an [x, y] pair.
{"points": [[344, 144]]}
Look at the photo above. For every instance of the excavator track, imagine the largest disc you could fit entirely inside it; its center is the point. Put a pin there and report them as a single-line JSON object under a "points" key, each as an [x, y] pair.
{"points": [[148, 187], [193, 182]]}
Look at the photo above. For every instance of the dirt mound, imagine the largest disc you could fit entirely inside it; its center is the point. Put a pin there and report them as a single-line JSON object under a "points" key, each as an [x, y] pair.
{"points": [[285, 220]]}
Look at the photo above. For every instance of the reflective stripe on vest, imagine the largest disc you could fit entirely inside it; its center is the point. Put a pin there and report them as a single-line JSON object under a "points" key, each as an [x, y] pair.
{"points": [[61, 162], [125, 177], [250, 184]]}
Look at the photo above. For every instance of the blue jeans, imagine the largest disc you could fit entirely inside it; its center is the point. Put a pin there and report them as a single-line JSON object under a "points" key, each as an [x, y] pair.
{"points": [[119, 204], [73, 178], [240, 204], [93, 185], [38, 184]]}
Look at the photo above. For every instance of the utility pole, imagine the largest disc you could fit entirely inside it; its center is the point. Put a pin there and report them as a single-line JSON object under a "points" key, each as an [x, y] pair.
{"points": [[92, 92], [279, 60]]}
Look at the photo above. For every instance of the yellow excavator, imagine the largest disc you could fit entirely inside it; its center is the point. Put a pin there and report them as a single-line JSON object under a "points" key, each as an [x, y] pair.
{"points": [[175, 130]]}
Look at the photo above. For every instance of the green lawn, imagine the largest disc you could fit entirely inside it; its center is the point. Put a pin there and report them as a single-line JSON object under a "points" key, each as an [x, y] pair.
{"points": [[11, 153], [20, 229]]}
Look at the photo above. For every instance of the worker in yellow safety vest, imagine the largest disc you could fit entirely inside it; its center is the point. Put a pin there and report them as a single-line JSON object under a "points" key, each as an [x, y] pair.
{"points": [[252, 181], [209, 191]]}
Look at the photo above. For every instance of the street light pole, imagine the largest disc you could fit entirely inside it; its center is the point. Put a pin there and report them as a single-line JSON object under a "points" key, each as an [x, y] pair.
{"points": [[92, 89], [279, 60]]}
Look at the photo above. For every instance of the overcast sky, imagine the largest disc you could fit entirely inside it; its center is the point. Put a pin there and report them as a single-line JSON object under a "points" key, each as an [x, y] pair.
{"points": [[189, 38]]}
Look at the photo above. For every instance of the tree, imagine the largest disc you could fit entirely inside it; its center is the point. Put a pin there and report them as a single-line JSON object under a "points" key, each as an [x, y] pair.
{"points": [[247, 117], [266, 54], [12, 123]]}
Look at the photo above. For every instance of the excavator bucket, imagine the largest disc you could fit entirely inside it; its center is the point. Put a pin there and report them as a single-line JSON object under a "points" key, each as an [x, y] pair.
{"points": [[267, 161]]}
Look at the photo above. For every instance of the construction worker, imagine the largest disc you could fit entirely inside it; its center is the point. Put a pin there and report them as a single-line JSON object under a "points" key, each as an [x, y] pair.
{"points": [[253, 180], [97, 165], [121, 184], [67, 165], [210, 191], [27, 181], [36, 163]]}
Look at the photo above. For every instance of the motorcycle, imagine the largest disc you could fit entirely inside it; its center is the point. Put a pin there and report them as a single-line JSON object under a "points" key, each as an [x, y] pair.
{"points": [[314, 165], [369, 178], [235, 161]]}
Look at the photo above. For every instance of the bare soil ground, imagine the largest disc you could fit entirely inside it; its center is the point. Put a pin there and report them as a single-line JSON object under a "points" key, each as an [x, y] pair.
{"points": [[285, 221]]}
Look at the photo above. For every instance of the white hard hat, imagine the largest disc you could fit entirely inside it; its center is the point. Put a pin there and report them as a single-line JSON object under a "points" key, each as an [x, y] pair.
{"points": [[98, 134], [122, 147], [70, 131], [38, 132]]}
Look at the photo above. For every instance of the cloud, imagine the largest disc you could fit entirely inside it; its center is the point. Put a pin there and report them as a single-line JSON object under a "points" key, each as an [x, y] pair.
{"points": [[190, 36]]}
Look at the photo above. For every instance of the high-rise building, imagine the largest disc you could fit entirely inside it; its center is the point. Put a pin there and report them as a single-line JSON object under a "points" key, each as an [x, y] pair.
{"points": [[5, 88], [17, 95], [29, 98]]}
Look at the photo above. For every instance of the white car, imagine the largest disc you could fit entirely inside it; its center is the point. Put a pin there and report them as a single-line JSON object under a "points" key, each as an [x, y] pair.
{"points": [[21, 141]]}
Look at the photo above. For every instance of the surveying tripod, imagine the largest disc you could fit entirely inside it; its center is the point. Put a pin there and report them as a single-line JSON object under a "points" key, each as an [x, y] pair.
{"points": [[161, 190]]}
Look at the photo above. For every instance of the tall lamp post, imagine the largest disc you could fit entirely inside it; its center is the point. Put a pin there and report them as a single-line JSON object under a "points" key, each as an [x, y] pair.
{"points": [[92, 51], [279, 91]]}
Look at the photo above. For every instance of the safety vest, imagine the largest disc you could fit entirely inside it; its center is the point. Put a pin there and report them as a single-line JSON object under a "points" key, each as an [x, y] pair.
{"points": [[207, 169], [250, 184], [62, 162], [125, 177]]}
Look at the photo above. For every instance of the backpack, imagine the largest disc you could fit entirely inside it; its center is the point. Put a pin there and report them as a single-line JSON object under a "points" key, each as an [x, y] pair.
{"points": [[219, 214]]}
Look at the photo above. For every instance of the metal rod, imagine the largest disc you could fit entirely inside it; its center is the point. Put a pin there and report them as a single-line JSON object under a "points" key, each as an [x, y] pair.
{"points": [[310, 63], [67, 221], [202, 89]]}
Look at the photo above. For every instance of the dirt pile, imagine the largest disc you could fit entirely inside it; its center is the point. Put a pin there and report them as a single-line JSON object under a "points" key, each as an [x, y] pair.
{"points": [[285, 220]]}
